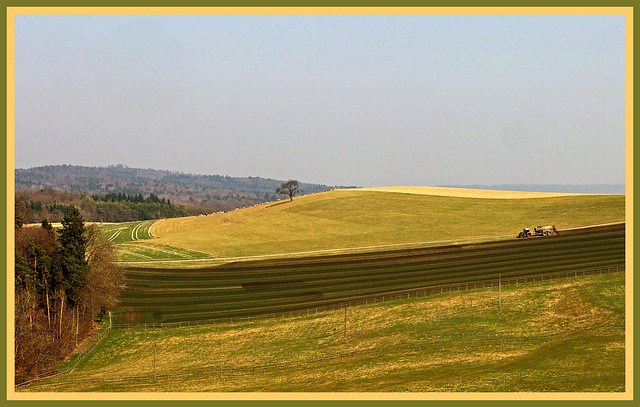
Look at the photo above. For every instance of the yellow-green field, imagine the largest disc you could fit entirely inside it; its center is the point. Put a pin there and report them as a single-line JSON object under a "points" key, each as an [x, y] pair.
{"points": [[369, 217], [556, 336]]}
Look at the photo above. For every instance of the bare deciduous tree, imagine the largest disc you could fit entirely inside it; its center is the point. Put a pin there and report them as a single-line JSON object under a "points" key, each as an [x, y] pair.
{"points": [[104, 279], [291, 188]]}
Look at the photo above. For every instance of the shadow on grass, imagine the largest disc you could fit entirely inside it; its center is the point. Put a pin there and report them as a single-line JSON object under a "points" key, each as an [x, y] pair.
{"points": [[279, 203]]}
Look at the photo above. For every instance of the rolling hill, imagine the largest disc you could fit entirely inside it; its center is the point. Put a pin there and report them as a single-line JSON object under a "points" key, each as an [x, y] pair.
{"points": [[351, 218], [547, 339], [373, 242]]}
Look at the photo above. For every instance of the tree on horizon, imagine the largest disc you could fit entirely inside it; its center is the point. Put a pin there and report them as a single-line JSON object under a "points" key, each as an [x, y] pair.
{"points": [[291, 188]]}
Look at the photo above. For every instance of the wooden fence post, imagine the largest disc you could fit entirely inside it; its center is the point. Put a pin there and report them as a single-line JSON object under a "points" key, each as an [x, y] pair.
{"points": [[499, 292], [155, 345]]}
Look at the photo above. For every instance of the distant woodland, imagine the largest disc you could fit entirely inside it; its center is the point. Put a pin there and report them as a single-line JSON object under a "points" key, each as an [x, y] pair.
{"points": [[196, 193], [53, 206]]}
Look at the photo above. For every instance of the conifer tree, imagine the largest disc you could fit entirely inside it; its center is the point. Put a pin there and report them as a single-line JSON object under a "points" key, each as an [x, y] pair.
{"points": [[71, 254]]}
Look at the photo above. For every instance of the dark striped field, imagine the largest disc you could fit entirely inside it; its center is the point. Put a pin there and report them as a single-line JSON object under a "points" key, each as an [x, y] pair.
{"points": [[268, 286]]}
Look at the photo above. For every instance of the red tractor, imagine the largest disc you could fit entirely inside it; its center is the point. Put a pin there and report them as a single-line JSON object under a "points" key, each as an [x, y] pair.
{"points": [[525, 233], [539, 231]]}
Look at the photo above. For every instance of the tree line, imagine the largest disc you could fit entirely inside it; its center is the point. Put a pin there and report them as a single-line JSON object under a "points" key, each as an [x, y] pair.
{"points": [[215, 192], [65, 279], [112, 207], [123, 197]]}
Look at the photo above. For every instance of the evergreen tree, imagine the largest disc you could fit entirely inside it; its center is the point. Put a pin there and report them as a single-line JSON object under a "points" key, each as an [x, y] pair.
{"points": [[46, 224], [72, 270], [22, 214], [24, 275]]}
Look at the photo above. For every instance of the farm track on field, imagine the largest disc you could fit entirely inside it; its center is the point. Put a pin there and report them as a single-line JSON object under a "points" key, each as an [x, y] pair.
{"points": [[133, 240], [129, 231], [278, 285]]}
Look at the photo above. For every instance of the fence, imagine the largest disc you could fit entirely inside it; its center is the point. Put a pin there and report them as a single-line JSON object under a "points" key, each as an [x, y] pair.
{"points": [[274, 367], [389, 297]]}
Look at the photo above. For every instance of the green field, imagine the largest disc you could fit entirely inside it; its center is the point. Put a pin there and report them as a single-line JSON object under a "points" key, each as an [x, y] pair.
{"points": [[128, 231], [164, 295], [134, 242], [145, 251], [554, 336]]}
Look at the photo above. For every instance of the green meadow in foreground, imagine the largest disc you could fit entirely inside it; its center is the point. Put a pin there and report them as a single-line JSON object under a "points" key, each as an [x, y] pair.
{"points": [[356, 218], [556, 336]]}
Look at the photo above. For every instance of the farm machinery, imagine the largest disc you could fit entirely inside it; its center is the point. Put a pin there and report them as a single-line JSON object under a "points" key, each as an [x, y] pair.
{"points": [[538, 231]]}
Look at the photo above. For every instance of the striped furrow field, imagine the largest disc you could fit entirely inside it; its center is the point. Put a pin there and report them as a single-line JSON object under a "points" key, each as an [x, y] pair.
{"points": [[156, 295]]}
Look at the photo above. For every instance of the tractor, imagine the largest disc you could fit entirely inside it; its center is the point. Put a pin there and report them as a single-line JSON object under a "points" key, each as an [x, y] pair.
{"points": [[538, 231], [525, 233]]}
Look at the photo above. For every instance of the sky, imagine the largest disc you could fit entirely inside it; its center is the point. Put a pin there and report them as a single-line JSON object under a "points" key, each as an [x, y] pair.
{"points": [[358, 100]]}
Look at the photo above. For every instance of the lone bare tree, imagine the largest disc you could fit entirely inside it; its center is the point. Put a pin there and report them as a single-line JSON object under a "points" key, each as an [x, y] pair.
{"points": [[291, 188]]}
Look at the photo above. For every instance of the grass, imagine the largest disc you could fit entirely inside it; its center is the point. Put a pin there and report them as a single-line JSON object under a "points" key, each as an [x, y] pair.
{"points": [[143, 250], [134, 242], [128, 231], [558, 336], [357, 218]]}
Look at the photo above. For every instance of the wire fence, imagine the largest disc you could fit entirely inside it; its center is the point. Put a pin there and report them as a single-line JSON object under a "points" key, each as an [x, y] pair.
{"points": [[393, 296], [390, 297]]}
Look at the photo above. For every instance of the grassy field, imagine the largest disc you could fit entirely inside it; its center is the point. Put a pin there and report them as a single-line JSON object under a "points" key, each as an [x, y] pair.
{"points": [[144, 250], [357, 218], [128, 231], [554, 336], [164, 295], [134, 241]]}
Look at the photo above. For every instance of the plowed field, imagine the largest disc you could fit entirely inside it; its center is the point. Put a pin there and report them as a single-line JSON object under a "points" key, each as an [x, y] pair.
{"points": [[156, 295]]}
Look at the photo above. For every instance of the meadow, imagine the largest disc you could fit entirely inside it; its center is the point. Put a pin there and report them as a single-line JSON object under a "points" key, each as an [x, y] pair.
{"points": [[554, 336], [359, 218], [134, 241]]}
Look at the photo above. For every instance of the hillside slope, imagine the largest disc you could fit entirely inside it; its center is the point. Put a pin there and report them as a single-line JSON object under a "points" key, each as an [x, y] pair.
{"points": [[357, 218], [555, 336]]}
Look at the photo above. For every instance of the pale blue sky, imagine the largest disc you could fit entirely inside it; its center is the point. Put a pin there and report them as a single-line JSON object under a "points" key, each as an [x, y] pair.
{"points": [[339, 100]]}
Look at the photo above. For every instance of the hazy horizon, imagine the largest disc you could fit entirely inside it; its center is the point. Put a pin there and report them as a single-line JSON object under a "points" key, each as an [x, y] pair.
{"points": [[564, 188], [362, 100]]}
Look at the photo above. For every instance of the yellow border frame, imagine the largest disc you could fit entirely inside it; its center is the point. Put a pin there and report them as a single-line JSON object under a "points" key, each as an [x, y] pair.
{"points": [[626, 11]]}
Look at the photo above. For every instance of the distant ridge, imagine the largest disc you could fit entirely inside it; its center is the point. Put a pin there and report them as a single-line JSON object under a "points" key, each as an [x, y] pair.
{"points": [[613, 189], [210, 192]]}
